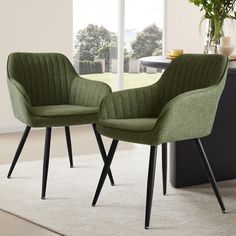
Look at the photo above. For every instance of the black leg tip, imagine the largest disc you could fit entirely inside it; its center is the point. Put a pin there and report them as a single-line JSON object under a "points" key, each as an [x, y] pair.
{"points": [[224, 211], [42, 198], [146, 227], [71, 166], [93, 204], [8, 176], [112, 184]]}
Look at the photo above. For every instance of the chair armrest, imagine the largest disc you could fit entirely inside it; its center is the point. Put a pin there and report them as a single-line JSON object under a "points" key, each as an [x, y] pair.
{"points": [[86, 92], [130, 103], [20, 101], [189, 115]]}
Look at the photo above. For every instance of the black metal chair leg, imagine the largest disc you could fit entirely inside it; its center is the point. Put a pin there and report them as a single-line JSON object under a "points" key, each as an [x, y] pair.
{"points": [[46, 161], [69, 146], [105, 170], [209, 173], [164, 166], [19, 149], [103, 152], [150, 184]]}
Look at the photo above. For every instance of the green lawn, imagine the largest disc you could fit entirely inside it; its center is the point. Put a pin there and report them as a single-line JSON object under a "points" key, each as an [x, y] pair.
{"points": [[130, 80]]}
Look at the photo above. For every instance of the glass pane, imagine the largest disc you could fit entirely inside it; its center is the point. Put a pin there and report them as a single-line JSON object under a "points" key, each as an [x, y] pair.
{"points": [[143, 37], [95, 39]]}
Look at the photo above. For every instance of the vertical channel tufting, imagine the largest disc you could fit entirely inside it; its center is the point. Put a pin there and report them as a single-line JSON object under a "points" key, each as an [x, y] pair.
{"points": [[72, 92], [21, 71], [50, 82], [124, 98], [63, 80], [55, 78], [67, 79], [41, 78], [146, 97], [46, 77], [81, 86], [58, 79], [88, 93], [186, 73], [97, 94], [122, 105], [51, 77], [100, 95], [132, 111], [138, 104], [129, 106], [64, 91], [91, 91], [113, 112], [76, 92], [29, 77], [181, 76]]}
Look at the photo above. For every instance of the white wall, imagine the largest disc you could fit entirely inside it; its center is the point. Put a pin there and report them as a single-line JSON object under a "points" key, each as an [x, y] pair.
{"points": [[182, 27], [36, 26]]}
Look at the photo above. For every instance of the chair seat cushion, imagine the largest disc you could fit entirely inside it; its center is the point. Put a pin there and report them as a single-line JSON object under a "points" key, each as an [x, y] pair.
{"points": [[63, 110], [138, 130], [139, 124], [62, 115]]}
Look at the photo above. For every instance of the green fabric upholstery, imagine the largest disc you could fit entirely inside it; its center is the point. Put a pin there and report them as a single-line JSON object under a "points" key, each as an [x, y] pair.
{"points": [[138, 124], [88, 93], [46, 91], [63, 110], [181, 105]]}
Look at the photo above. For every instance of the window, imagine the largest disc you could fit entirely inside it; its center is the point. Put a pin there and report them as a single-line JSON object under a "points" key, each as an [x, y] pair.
{"points": [[111, 36]]}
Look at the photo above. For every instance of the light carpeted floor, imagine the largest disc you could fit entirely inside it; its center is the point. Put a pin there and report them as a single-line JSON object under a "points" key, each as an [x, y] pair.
{"points": [[120, 209]]}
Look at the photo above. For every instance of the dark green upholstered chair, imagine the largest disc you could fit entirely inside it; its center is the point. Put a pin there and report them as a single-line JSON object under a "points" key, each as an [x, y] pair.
{"points": [[46, 91], [180, 106]]}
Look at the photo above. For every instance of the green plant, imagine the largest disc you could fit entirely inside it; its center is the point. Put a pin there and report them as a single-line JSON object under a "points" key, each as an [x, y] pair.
{"points": [[216, 11]]}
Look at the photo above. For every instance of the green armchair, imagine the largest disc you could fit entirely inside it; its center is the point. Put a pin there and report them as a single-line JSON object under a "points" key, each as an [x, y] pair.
{"points": [[46, 91], [180, 106]]}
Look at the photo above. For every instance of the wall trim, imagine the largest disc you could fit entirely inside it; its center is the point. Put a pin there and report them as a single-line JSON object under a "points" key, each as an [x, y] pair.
{"points": [[12, 129]]}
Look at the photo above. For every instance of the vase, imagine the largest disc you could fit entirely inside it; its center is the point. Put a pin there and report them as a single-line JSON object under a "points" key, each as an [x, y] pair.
{"points": [[214, 32]]}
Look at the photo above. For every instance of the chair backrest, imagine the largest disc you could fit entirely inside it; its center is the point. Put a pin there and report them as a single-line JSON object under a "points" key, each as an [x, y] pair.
{"points": [[46, 77], [189, 72]]}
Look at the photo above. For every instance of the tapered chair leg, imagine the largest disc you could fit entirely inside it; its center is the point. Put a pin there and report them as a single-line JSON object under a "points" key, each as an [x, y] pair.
{"points": [[103, 152], [209, 173], [69, 146], [46, 161], [150, 184], [164, 166], [18, 151], [105, 170]]}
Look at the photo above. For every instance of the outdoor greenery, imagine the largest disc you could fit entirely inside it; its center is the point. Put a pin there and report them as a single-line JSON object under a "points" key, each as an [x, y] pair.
{"points": [[98, 42], [147, 42], [90, 39], [216, 11]]}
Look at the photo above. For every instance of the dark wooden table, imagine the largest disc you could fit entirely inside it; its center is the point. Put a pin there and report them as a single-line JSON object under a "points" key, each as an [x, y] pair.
{"points": [[220, 146]]}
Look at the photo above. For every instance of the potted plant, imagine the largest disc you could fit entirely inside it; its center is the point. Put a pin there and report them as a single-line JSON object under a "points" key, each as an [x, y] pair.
{"points": [[215, 11]]}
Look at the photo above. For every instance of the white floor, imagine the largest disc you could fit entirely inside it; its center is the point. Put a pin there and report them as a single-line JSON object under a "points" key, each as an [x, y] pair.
{"points": [[120, 209], [83, 142]]}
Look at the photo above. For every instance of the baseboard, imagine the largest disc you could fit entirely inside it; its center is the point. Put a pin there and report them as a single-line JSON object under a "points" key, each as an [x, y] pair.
{"points": [[21, 128], [12, 129]]}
